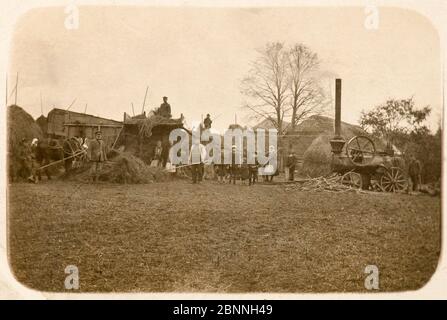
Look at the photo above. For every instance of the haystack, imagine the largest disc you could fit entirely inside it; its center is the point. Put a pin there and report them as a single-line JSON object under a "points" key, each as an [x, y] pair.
{"points": [[123, 167], [42, 122], [317, 158], [21, 125]]}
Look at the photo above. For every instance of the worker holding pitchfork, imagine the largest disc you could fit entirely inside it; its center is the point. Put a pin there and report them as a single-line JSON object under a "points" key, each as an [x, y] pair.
{"points": [[98, 155]]}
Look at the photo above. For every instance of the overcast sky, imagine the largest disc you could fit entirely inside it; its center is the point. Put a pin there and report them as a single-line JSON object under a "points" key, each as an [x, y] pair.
{"points": [[197, 58]]}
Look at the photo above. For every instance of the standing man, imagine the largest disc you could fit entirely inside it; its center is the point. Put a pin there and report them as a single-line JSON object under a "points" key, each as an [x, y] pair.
{"points": [[253, 170], [157, 160], [165, 108], [197, 157], [221, 169], [42, 158], [235, 164], [414, 173], [35, 173], [207, 122], [166, 148], [97, 155], [291, 164]]}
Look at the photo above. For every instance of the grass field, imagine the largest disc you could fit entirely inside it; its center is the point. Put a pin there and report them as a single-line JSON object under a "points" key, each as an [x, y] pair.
{"points": [[175, 236]]}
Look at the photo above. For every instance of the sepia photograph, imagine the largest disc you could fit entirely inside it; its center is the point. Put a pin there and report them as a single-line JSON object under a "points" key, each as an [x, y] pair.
{"points": [[188, 149]]}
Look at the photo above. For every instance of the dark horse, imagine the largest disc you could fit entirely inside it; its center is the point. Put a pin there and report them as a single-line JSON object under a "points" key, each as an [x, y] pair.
{"points": [[51, 151]]}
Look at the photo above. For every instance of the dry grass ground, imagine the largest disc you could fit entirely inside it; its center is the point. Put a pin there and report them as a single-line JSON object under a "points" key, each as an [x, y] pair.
{"points": [[175, 236]]}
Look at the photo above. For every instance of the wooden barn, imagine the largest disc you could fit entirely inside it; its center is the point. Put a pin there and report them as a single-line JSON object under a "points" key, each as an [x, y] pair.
{"points": [[66, 124]]}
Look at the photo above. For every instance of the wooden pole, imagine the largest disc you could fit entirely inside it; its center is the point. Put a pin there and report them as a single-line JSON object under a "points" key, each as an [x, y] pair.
{"points": [[337, 107], [117, 137], [17, 86], [6, 96], [144, 101], [85, 109], [71, 104], [59, 161], [41, 106], [133, 111]]}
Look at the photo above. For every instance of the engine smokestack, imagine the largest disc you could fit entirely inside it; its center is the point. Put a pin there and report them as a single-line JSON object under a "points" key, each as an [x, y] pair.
{"points": [[337, 108], [337, 142]]}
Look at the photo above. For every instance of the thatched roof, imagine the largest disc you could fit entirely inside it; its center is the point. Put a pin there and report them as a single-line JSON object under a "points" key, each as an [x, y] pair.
{"points": [[322, 125], [325, 125], [268, 124]]}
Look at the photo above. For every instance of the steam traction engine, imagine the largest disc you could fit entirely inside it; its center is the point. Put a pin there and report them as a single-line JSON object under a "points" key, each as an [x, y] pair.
{"points": [[361, 165]]}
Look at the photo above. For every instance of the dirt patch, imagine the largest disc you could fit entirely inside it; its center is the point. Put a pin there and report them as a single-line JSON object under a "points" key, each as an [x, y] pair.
{"points": [[176, 236]]}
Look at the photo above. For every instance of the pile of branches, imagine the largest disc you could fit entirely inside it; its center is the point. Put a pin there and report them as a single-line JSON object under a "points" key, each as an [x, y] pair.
{"points": [[331, 183]]}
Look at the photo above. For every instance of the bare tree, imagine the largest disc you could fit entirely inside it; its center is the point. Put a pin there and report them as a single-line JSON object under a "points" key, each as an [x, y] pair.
{"points": [[266, 85], [306, 96], [282, 84]]}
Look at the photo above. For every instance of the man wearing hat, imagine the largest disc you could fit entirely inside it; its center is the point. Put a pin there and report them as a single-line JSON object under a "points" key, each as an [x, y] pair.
{"points": [[197, 157], [165, 108], [290, 166], [97, 155], [207, 122]]}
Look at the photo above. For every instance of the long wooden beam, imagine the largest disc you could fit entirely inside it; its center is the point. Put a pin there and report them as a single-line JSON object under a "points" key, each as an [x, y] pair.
{"points": [[93, 125], [59, 161]]}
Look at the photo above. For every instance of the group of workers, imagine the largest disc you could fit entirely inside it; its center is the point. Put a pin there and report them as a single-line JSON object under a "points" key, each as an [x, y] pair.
{"points": [[202, 165], [32, 157], [36, 157]]}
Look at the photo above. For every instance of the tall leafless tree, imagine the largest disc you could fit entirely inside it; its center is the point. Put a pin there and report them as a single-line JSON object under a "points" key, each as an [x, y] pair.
{"points": [[266, 86], [306, 95], [283, 84]]}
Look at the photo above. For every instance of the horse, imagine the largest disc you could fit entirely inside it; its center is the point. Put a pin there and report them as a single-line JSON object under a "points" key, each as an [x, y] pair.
{"points": [[51, 151]]}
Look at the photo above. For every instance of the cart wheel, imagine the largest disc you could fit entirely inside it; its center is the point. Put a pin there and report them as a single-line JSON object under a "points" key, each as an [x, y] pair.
{"points": [[360, 150], [352, 179], [394, 180]]}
